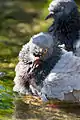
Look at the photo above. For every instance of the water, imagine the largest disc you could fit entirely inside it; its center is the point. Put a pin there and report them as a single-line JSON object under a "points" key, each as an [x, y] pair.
{"points": [[18, 22]]}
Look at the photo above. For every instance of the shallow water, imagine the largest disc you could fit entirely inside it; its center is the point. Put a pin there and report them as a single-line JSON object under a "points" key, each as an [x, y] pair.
{"points": [[19, 20]]}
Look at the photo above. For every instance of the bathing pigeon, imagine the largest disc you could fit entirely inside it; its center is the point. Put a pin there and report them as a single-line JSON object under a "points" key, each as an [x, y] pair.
{"points": [[47, 70], [36, 59]]}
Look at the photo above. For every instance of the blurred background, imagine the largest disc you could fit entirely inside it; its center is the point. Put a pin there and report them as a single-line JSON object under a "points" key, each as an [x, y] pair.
{"points": [[19, 20]]}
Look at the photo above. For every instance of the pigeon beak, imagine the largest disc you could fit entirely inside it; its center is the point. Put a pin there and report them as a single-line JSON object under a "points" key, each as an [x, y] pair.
{"points": [[37, 61], [37, 58], [49, 16]]}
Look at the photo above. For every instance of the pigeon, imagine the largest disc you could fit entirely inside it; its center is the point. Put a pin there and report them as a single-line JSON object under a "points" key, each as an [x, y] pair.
{"points": [[66, 25], [35, 62], [47, 70]]}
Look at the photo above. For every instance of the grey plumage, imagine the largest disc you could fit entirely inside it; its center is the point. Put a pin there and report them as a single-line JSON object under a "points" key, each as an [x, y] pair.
{"points": [[56, 77], [66, 25], [25, 78], [63, 82]]}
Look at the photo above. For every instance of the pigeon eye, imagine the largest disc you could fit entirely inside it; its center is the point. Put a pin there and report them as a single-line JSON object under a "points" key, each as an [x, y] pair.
{"points": [[45, 51]]}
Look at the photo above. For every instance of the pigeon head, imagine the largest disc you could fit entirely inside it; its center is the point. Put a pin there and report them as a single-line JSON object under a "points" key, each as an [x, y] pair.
{"points": [[59, 8], [41, 46]]}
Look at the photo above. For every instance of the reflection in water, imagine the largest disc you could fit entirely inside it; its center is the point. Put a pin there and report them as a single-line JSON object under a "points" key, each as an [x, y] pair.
{"points": [[21, 110], [46, 111]]}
